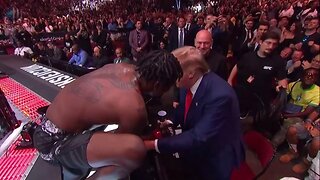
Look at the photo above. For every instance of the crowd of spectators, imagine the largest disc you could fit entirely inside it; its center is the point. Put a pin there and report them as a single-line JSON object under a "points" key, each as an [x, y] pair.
{"points": [[122, 31]]}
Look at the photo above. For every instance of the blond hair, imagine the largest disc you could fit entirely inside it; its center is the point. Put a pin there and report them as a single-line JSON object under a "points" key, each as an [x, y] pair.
{"points": [[190, 57]]}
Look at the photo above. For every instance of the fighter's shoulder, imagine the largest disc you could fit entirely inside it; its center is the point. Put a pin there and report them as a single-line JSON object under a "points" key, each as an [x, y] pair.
{"points": [[120, 76], [115, 66], [133, 98], [134, 106]]}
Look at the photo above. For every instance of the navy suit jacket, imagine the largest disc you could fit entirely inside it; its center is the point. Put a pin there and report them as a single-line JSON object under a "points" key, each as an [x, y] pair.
{"points": [[173, 39], [210, 142]]}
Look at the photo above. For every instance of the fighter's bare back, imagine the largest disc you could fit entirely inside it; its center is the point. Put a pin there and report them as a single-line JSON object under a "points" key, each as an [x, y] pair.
{"points": [[101, 97]]}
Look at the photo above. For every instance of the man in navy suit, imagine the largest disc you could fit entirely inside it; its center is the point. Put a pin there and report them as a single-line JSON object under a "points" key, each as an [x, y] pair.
{"points": [[243, 36], [210, 144], [178, 35]]}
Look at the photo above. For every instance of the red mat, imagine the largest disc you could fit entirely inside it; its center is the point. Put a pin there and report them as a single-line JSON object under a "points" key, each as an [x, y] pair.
{"points": [[16, 163]]}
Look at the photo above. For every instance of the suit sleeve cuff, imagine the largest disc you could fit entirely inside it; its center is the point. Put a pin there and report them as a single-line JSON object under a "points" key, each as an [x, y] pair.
{"points": [[156, 145]]}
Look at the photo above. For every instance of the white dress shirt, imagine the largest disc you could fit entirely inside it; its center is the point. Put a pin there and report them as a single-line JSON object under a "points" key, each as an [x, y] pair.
{"points": [[179, 32], [193, 90], [20, 51], [187, 27]]}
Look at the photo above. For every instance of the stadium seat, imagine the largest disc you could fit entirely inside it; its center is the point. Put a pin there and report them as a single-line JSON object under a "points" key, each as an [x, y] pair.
{"points": [[264, 152]]}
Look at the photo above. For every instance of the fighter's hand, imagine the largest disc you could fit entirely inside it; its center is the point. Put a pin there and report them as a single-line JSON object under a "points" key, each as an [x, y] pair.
{"points": [[149, 144], [166, 128], [165, 123]]}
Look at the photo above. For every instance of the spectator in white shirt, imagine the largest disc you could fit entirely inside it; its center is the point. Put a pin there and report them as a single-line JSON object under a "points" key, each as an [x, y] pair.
{"points": [[22, 50]]}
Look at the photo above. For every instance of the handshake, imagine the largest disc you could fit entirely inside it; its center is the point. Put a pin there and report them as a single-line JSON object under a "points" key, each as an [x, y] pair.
{"points": [[163, 129]]}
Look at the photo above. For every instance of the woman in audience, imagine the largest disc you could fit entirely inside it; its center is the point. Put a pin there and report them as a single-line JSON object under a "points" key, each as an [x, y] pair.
{"points": [[287, 35]]}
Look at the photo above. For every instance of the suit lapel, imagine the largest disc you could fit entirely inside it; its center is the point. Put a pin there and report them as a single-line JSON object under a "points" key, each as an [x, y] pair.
{"points": [[196, 99]]}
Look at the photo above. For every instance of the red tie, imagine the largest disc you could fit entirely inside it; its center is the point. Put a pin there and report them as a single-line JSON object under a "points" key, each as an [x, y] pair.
{"points": [[187, 103]]}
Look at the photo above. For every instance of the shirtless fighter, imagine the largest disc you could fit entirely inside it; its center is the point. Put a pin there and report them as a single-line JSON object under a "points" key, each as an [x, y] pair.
{"points": [[109, 95]]}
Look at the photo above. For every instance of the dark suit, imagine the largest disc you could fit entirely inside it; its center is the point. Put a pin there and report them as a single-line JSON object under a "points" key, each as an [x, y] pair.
{"points": [[246, 49], [243, 37], [241, 42], [210, 144], [192, 34], [173, 39], [190, 26], [134, 42], [217, 64], [192, 30]]}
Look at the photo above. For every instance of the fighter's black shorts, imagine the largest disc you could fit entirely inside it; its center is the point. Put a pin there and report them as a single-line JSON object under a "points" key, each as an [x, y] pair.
{"points": [[58, 147]]}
